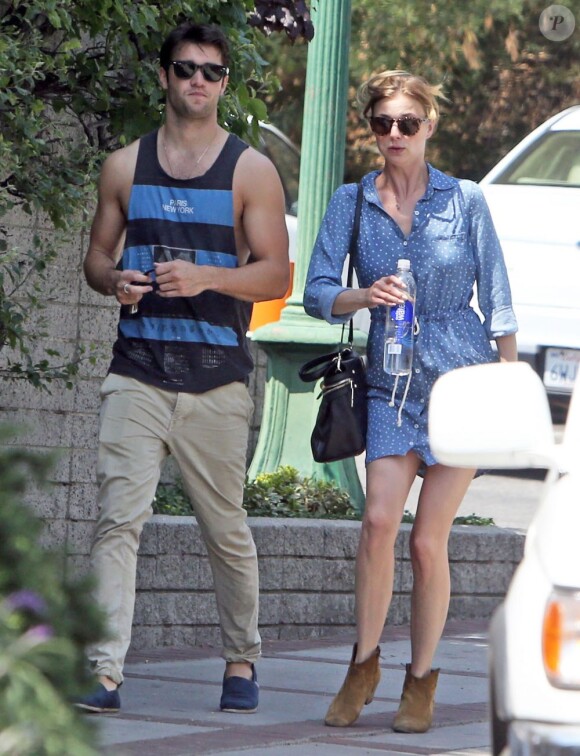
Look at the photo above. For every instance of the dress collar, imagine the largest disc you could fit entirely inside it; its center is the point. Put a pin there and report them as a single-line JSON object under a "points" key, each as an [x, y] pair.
{"points": [[437, 181]]}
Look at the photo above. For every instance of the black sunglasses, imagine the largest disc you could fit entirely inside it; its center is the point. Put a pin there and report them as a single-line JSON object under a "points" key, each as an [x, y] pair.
{"points": [[407, 125], [185, 69]]}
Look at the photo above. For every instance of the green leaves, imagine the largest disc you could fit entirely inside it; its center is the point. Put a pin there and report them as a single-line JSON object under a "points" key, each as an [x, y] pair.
{"points": [[45, 622], [282, 493]]}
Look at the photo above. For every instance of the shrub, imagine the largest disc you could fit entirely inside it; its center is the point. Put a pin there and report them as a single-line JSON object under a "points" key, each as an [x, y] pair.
{"points": [[278, 494], [285, 494], [45, 622]]}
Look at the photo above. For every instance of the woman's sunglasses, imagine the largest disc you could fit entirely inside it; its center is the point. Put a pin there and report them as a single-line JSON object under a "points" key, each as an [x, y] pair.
{"points": [[185, 69], [407, 125]]}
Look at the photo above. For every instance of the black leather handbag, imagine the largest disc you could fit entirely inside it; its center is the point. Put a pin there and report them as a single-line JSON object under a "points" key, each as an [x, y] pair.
{"points": [[341, 423]]}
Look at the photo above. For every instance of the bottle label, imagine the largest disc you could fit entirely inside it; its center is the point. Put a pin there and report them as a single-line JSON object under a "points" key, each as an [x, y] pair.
{"points": [[402, 316]]}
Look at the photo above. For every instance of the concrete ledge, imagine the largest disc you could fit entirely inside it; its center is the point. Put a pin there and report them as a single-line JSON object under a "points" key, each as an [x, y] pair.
{"points": [[307, 578]]}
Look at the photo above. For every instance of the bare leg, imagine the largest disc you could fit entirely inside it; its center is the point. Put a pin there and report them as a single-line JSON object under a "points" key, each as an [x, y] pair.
{"points": [[388, 483], [239, 669], [441, 494], [107, 682]]}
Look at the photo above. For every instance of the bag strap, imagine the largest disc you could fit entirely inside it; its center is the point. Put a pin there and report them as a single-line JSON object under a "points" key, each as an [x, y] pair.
{"points": [[317, 368], [351, 253]]}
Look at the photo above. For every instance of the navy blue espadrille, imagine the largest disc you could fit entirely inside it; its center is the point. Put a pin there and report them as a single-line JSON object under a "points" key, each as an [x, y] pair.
{"points": [[100, 701], [240, 696]]}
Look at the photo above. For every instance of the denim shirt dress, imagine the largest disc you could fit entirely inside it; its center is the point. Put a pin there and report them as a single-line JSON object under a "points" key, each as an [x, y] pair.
{"points": [[454, 250]]}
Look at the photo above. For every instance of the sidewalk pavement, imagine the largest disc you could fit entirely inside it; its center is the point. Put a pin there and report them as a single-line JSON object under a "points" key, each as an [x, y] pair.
{"points": [[170, 701]]}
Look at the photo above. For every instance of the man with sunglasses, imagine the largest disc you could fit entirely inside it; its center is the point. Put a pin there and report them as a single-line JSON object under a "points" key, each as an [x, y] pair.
{"points": [[189, 230]]}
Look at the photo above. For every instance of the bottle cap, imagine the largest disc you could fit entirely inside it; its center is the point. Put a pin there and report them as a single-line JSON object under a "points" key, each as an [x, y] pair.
{"points": [[404, 264]]}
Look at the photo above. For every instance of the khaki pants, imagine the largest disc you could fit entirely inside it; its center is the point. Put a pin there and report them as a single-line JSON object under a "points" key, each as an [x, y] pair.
{"points": [[207, 434]]}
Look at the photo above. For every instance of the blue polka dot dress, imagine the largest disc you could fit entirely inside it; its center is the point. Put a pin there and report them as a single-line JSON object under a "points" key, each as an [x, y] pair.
{"points": [[453, 249]]}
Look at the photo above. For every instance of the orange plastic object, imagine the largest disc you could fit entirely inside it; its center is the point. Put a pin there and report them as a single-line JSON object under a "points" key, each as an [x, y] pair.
{"points": [[269, 311]]}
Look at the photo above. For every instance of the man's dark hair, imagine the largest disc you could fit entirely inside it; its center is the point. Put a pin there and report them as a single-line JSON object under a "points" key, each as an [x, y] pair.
{"points": [[204, 34]]}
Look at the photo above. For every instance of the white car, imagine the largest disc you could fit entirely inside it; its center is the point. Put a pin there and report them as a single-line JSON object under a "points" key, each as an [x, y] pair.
{"points": [[497, 416], [534, 197]]}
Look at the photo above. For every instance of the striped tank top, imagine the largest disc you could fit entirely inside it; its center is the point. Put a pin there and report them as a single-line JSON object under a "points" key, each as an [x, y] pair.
{"points": [[188, 344]]}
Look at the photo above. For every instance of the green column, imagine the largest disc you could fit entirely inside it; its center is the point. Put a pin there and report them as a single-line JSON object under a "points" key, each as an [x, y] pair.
{"points": [[290, 406]]}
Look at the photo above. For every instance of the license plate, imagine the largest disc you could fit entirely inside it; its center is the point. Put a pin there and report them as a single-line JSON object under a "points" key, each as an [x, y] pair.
{"points": [[560, 369]]}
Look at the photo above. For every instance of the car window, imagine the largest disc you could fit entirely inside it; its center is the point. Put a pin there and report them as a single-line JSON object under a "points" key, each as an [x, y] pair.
{"points": [[287, 160], [553, 160]]}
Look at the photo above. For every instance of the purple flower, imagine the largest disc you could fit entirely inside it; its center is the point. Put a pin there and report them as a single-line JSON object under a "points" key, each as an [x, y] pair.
{"points": [[39, 634], [26, 600]]}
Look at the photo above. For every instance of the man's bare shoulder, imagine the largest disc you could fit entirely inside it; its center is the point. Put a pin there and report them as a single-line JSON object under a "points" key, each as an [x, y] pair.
{"points": [[253, 160], [122, 161], [255, 173]]}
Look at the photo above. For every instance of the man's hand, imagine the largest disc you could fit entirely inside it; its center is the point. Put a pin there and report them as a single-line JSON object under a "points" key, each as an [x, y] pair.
{"points": [[180, 278], [130, 286]]}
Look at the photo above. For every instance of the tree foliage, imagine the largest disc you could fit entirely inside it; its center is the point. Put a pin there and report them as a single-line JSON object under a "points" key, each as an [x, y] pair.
{"points": [[502, 77], [78, 79]]}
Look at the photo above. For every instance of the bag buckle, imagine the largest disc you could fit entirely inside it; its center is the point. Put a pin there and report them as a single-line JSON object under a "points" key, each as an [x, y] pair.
{"points": [[340, 384]]}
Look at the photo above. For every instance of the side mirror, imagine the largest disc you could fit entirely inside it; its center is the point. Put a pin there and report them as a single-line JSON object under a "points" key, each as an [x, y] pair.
{"points": [[492, 416]]}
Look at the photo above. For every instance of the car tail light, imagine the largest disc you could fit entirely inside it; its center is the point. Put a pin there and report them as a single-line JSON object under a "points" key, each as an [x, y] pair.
{"points": [[561, 639]]}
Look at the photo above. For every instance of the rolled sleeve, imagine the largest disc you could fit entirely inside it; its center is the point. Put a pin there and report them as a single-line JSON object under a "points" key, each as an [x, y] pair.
{"points": [[320, 306], [501, 323]]}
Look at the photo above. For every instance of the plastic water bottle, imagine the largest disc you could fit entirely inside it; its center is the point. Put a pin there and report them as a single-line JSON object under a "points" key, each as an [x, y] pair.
{"points": [[398, 355]]}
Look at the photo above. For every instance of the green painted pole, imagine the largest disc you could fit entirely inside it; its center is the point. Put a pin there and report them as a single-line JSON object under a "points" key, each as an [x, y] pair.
{"points": [[290, 406]]}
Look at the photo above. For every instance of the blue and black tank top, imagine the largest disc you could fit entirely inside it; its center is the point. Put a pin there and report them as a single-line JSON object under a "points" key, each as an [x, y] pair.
{"points": [[184, 343]]}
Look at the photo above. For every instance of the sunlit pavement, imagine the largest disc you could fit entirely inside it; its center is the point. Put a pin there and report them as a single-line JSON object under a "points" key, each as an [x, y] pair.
{"points": [[170, 701]]}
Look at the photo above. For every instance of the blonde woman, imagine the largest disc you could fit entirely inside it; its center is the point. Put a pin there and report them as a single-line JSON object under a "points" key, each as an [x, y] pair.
{"points": [[443, 226]]}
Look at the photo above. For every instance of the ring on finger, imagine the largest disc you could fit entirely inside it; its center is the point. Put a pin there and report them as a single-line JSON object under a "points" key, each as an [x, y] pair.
{"points": [[126, 288]]}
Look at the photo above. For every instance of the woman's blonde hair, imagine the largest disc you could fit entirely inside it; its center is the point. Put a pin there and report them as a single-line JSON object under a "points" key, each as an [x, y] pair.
{"points": [[387, 84]]}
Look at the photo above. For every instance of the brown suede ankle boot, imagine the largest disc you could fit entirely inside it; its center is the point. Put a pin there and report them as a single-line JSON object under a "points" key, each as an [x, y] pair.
{"points": [[357, 690], [416, 708]]}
